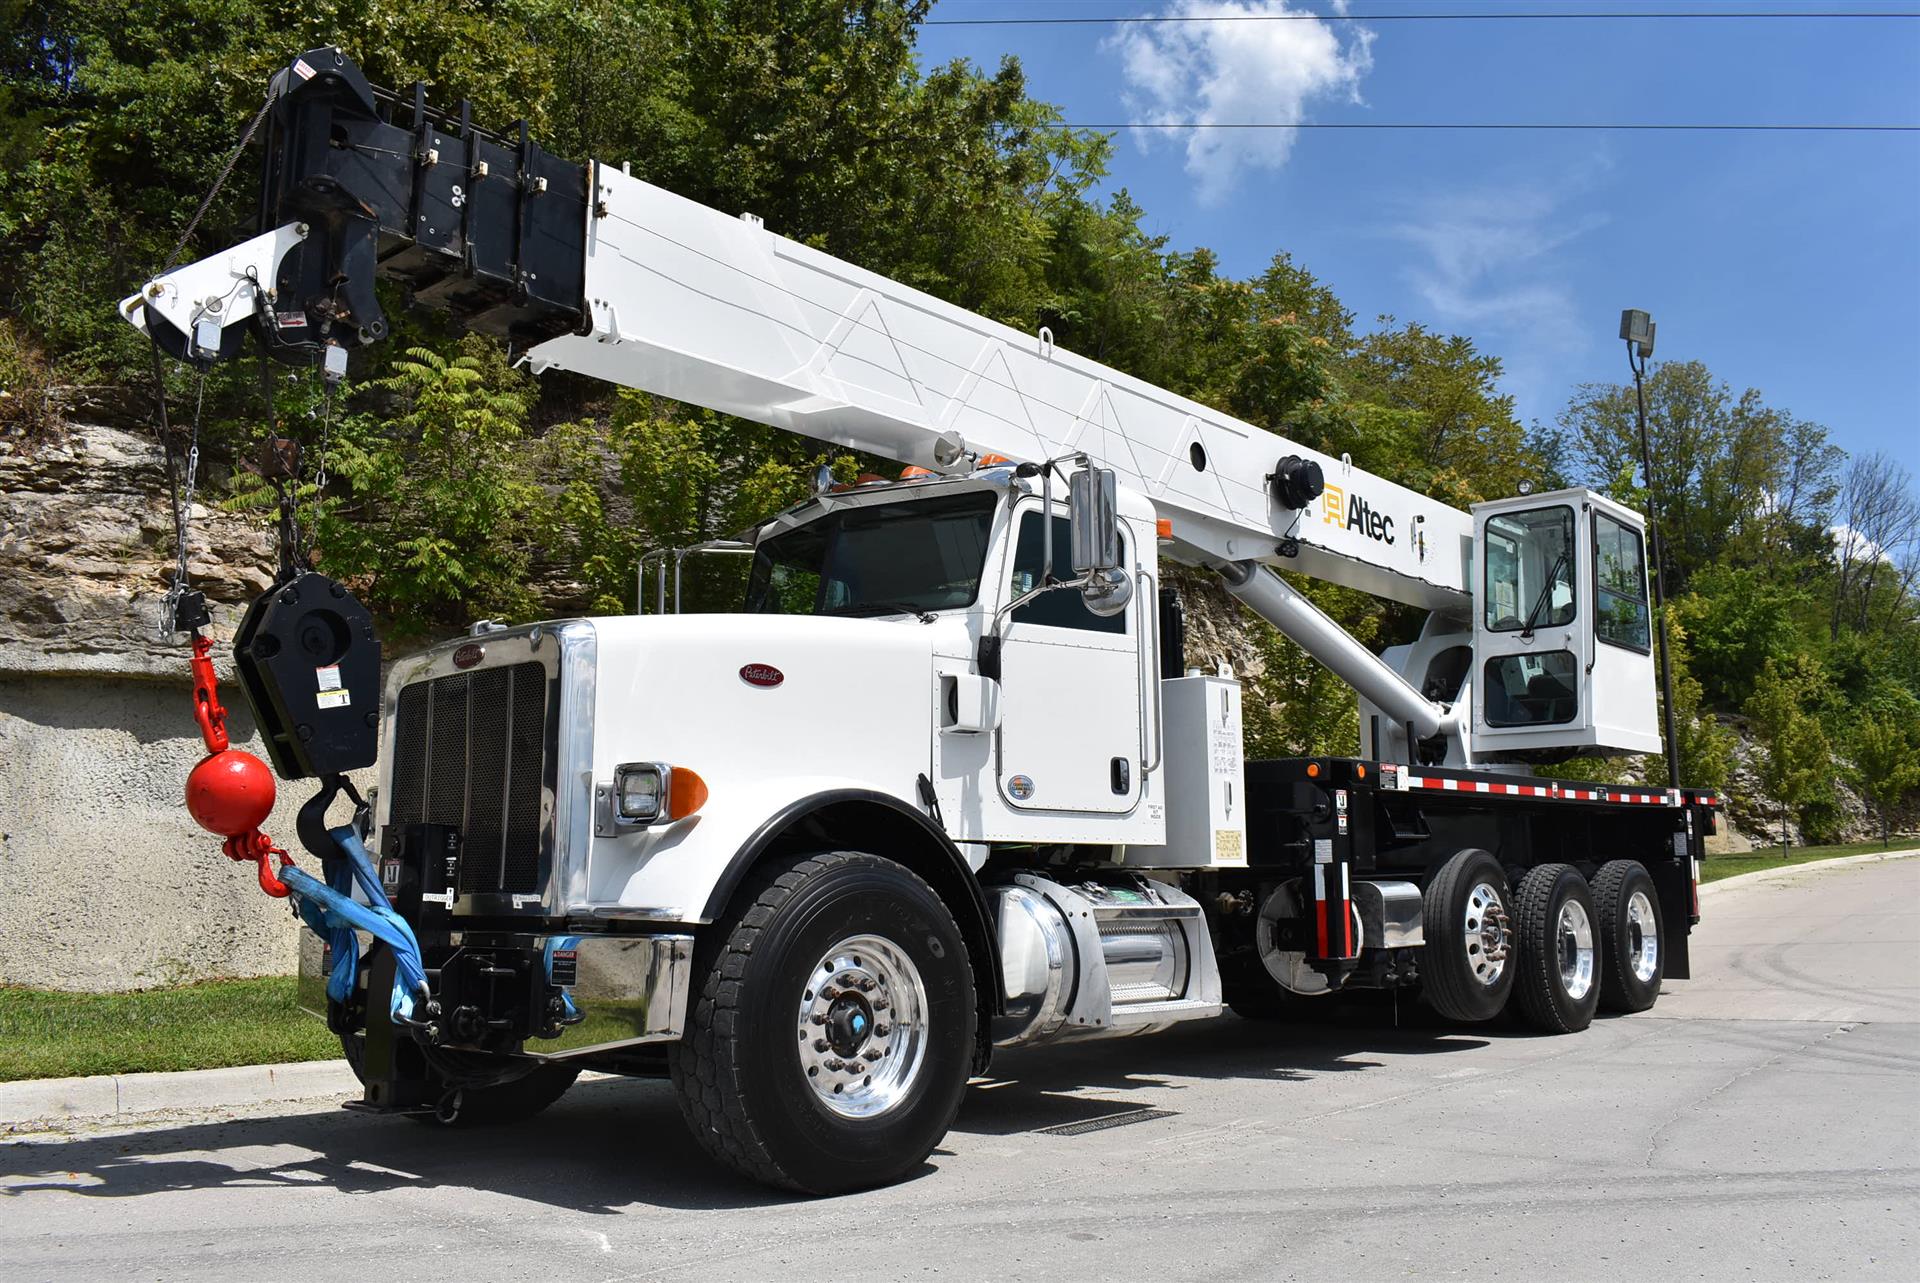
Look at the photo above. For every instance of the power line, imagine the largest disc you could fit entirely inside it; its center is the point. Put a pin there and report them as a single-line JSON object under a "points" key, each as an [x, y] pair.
{"points": [[1553, 16], [1494, 124]]}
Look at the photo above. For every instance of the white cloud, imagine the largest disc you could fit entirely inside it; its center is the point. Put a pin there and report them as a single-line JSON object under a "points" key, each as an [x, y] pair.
{"points": [[1490, 256], [1178, 73]]}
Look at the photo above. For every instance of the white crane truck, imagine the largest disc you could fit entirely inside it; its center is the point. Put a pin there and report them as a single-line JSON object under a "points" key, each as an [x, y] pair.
{"points": [[945, 783]]}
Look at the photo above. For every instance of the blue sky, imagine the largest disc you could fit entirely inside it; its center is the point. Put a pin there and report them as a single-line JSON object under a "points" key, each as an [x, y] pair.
{"points": [[1786, 262]]}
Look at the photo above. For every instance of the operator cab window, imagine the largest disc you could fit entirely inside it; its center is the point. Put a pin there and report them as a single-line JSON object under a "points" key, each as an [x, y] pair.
{"points": [[1620, 584], [881, 559], [1530, 579], [1063, 607], [1531, 690]]}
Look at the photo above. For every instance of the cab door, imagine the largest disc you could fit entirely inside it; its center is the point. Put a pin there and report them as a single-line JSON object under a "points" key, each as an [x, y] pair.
{"points": [[1070, 735], [1529, 635]]}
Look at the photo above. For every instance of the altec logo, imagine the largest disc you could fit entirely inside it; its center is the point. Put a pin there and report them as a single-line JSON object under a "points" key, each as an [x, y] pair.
{"points": [[1354, 513]]}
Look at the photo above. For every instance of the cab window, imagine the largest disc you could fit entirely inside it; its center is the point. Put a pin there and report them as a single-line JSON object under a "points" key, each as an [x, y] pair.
{"points": [[1531, 690], [1063, 607], [1529, 570], [1620, 584]]}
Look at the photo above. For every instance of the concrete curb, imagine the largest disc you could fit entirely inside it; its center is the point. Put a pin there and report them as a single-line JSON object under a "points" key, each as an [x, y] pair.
{"points": [[116, 1095], [1772, 875]]}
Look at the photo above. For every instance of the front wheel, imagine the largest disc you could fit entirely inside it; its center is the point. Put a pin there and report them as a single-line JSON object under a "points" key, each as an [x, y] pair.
{"points": [[832, 1035]]}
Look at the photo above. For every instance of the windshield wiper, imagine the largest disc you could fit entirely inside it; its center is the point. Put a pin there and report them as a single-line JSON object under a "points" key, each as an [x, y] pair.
{"points": [[1553, 578], [865, 608]]}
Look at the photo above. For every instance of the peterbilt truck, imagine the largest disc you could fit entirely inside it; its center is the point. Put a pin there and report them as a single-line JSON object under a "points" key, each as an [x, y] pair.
{"points": [[945, 782]]}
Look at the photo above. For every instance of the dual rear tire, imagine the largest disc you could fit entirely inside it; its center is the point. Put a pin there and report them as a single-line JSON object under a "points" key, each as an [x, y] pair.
{"points": [[1553, 947]]}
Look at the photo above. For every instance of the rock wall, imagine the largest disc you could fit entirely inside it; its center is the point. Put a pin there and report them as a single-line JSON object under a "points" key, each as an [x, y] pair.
{"points": [[105, 882]]}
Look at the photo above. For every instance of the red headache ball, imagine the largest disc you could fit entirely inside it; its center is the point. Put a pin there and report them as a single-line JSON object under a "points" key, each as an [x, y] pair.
{"points": [[230, 793]]}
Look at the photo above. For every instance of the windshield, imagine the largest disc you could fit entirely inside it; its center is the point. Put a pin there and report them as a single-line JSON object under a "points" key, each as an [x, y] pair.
{"points": [[1529, 580], [923, 555]]}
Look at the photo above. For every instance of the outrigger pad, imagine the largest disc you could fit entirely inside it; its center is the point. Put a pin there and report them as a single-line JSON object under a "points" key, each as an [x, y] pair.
{"points": [[309, 663]]}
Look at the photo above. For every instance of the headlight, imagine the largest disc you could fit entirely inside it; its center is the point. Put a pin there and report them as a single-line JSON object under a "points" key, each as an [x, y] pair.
{"points": [[638, 790], [644, 792]]}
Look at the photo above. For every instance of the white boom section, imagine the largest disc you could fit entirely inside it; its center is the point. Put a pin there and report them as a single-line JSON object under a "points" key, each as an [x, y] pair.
{"points": [[690, 303]]}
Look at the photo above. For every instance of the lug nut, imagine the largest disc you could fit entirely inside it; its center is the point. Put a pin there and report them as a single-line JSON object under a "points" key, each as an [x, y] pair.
{"points": [[872, 1054], [882, 1030], [818, 1019], [821, 1044]]}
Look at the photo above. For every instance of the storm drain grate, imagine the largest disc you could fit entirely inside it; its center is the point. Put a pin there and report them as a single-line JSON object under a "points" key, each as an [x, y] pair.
{"points": [[1104, 1124]]}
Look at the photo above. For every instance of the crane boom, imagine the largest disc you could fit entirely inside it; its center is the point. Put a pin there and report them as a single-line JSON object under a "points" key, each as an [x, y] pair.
{"points": [[591, 270], [690, 303]]}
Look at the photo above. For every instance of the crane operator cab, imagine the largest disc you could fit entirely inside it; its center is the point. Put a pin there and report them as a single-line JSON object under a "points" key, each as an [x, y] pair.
{"points": [[1562, 628]]}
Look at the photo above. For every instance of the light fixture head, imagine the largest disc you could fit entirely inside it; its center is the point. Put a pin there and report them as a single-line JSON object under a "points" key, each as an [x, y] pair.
{"points": [[1636, 327]]}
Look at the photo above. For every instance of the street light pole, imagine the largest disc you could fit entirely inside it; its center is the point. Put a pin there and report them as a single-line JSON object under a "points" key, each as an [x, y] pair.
{"points": [[1637, 328]]}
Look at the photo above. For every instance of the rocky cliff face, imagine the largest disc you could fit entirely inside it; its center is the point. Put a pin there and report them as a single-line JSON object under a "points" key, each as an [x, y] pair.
{"points": [[86, 554], [105, 882]]}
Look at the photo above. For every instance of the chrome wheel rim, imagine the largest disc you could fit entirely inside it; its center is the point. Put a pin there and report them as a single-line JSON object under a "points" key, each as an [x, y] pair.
{"points": [[1643, 937], [1486, 933], [1573, 934], [863, 1026]]}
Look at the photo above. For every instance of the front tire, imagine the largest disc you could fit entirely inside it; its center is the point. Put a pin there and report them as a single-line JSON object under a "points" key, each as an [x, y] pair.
{"points": [[832, 1035], [1633, 955], [1558, 987]]}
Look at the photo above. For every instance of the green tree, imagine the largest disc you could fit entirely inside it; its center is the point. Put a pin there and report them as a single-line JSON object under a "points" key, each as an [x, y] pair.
{"points": [[1736, 478], [437, 514], [1886, 759], [1795, 757]]}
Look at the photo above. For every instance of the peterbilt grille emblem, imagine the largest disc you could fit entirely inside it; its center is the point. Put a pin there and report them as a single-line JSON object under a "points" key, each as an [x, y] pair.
{"points": [[762, 675], [469, 655]]}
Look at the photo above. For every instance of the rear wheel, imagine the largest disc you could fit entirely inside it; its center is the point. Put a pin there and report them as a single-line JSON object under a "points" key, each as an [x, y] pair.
{"points": [[831, 1038], [1632, 954], [1558, 986], [1466, 971]]}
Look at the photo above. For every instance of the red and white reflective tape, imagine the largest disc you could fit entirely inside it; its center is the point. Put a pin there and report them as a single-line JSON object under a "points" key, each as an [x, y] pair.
{"points": [[1333, 913], [1551, 790]]}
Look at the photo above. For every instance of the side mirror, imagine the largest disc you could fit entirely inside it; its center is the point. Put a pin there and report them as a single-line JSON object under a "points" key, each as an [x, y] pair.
{"points": [[1095, 520], [1107, 592]]}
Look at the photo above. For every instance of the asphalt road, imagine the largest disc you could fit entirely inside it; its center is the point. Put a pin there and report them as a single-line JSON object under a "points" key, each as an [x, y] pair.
{"points": [[1762, 1122]]}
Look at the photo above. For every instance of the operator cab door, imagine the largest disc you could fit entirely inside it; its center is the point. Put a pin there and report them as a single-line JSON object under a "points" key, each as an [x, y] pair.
{"points": [[1561, 647], [1070, 734]]}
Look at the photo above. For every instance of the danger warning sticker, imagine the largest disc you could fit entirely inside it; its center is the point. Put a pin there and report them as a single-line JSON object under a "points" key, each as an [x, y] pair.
{"points": [[333, 699]]}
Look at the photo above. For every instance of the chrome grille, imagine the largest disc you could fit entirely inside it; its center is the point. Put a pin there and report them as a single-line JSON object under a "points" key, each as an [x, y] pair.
{"points": [[469, 750]]}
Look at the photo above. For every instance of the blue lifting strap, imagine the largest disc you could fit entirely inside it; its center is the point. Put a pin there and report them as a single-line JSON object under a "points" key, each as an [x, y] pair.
{"points": [[331, 911]]}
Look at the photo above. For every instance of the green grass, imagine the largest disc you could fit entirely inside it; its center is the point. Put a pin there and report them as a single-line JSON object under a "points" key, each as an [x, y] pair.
{"points": [[44, 1034], [1715, 867]]}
